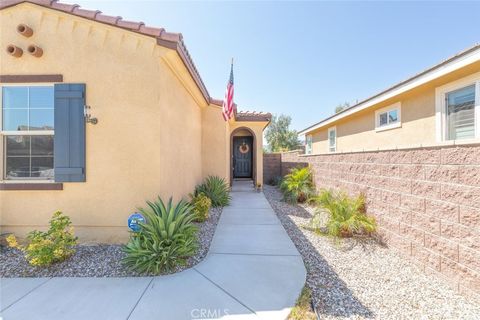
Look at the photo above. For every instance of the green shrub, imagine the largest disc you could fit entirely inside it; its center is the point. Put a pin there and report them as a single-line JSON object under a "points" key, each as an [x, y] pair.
{"points": [[165, 240], [201, 205], [346, 215], [297, 186], [54, 245], [216, 189]]}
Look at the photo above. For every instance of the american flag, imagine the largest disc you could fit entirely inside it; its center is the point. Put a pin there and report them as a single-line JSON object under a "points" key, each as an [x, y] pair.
{"points": [[228, 101]]}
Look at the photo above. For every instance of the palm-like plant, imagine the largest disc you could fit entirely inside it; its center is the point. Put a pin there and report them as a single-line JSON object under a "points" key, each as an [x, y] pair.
{"points": [[165, 240], [297, 186], [216, 189], [346, 215]]}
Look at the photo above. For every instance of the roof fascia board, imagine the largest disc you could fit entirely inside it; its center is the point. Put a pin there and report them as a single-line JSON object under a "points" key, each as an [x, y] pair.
{"points": [[431, 75]]}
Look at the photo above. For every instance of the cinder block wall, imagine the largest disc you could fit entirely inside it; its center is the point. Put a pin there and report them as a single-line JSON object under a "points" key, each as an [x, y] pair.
{"points": [[272, 166], [426, 201]]}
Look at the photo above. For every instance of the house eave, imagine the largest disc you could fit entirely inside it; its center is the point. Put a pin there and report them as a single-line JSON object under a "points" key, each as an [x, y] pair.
{"points": [[456, 62]]}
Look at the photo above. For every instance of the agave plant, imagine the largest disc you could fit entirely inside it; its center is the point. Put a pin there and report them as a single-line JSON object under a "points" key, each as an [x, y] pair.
{"points": [[165, 240], [297, 186], [346, 215], [216, 189]]}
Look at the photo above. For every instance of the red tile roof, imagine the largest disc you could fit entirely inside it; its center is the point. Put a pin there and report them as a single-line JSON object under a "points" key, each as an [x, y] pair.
{"points": [[167, 39], [245, 115], [253, 116]]}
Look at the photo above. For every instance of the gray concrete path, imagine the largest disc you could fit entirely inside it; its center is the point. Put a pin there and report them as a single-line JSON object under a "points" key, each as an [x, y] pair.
{"points": [[253, 271]]}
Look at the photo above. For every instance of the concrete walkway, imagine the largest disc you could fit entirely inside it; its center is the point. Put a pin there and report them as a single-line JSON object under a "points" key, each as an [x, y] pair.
{"points": [[253, 271]]}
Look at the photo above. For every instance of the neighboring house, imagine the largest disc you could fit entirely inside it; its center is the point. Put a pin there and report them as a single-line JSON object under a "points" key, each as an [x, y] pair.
{"points": [[413, 151], [436, 107], [159, 133]]}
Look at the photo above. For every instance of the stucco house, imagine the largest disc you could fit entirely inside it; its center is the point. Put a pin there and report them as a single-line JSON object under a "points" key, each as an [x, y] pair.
{"points": [[438, 106], [100, 114], [413, 151]]}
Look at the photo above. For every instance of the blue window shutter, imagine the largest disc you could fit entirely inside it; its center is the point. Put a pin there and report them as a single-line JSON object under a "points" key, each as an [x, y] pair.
{"points": [[69, 139]]}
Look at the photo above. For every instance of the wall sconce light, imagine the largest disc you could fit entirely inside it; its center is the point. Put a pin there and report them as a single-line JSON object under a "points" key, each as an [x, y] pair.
{"points": [[88, 116]]}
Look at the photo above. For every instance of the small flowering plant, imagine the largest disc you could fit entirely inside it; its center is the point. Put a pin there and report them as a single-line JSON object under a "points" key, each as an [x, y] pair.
{"points": [[54, 245]]}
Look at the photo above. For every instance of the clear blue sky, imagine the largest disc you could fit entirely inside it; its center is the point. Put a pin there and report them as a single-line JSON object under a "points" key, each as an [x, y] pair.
{"points": [[304, 58]]}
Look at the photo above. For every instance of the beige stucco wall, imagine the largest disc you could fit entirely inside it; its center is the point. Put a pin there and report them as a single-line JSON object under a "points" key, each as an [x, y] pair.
{"points": [[148, 140], [319, 142], [357, 132], [215, 141]]}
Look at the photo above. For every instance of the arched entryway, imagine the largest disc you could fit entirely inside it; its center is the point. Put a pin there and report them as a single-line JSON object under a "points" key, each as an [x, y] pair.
{"points": [[243, 154]]}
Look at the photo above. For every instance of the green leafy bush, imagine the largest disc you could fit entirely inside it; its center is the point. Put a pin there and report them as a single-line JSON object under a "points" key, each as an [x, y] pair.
{"points": [[54, 245], [201, 205], [216, 189], [165, 240], [346, 215], [297, 186]]}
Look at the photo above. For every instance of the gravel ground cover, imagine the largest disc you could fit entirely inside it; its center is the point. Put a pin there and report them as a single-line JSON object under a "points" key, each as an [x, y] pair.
{"points": [[362, 279], [100, 260]]}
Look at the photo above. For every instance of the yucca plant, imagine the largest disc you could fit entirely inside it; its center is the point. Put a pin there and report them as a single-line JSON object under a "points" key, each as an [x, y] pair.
{"points": [[297, 186], [216, 189], [165, 240], [347, 215]]}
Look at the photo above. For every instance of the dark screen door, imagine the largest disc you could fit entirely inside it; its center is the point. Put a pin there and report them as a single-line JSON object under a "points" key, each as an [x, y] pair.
{"points": [[242, 157]]}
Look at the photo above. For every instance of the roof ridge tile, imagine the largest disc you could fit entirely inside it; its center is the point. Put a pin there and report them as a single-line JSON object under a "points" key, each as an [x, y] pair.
{"points": [[58, 5], [90, 14]]}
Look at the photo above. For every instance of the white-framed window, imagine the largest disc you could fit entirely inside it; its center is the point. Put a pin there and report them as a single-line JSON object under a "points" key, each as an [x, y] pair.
{"points": [[26, 132], [308, 144], [332, 139], [457, 109], [389, 117]]}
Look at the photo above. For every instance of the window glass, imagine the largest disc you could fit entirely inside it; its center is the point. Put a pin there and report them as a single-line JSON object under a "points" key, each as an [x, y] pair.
{"points": [[41, 97], [17, 145], [388, 117], [29, 157], [15, 119], [28, 108], [393, 116], [332, 135], [41, 119], [461, 113], [383, 119], [42, 167], [309, 144], [17, 167], [42, 145], [15, 97]]}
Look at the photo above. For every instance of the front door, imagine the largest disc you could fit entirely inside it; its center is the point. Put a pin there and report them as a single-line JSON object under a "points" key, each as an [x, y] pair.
{"points": [[242, 157]]}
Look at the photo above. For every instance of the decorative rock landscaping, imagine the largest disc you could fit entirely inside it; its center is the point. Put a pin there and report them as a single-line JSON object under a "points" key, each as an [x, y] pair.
{"points": [[359, 279], [100, 260]]}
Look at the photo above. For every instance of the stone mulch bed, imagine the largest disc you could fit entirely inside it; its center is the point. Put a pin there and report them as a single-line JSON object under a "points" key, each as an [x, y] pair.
{"points": [[101, 260], [362, 279]]}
